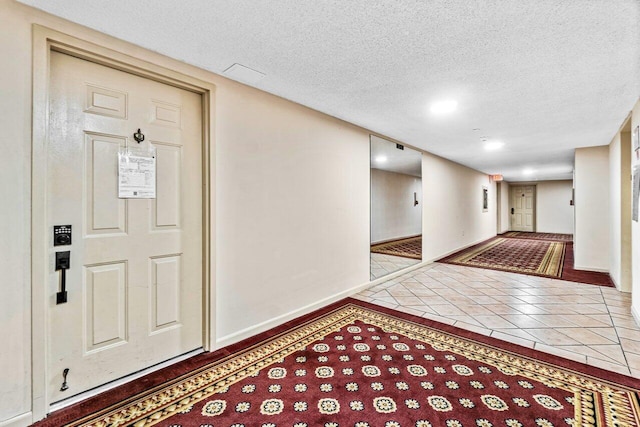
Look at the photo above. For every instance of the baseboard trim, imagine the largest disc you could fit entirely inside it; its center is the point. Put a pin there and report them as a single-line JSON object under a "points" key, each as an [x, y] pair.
{"points": [[398, 273], [636, 315], [278, 320], [615, 282], [597, 270], [275, 321], [22, 420]]}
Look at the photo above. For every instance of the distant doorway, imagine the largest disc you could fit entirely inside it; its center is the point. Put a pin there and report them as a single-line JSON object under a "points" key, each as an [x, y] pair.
{"points": [[523, 208]]}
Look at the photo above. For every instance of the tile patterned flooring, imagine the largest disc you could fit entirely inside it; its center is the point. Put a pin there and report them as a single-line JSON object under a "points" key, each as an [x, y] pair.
{"points": [[382, 264], [587, 323]]}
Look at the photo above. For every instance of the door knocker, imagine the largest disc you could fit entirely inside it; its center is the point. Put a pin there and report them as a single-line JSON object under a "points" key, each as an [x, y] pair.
{"points": [[138, 136]]}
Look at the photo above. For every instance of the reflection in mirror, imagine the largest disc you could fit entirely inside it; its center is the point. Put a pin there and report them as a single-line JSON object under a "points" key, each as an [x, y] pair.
{"points": [[396, 207]]}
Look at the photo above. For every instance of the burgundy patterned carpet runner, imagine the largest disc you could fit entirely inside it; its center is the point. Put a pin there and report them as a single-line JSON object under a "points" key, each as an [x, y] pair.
{"points": [[355, 364], [539, 236], [526, 256], [407, 248], [532, 255]]}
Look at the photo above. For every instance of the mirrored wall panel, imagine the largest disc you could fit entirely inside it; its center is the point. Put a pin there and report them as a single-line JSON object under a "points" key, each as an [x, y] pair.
{"points": [[396, 207]]}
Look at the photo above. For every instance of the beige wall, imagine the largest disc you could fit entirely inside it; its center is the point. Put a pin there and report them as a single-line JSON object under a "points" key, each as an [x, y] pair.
{"points": [[15, 120], [591, 240], [291, 184], [620, 210], [615, 226], [554, 214], [452, 212], [393, 213], [635, 234], [504, 215]]}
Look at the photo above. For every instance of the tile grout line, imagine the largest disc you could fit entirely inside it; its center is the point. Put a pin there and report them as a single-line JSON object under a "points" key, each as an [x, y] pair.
{"points": [[624, 353]]}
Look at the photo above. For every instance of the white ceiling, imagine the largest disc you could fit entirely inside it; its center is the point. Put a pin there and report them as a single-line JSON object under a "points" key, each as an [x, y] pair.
{"points": [[542, 76]]}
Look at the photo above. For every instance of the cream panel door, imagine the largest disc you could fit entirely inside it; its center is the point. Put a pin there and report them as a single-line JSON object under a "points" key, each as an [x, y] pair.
{"points": [[135, 281], [523, 208]]}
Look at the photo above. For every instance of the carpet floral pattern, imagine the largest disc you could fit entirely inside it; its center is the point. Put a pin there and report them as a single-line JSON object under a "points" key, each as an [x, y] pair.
{"points": [[538, 257], [408, 248], [357, 366]]}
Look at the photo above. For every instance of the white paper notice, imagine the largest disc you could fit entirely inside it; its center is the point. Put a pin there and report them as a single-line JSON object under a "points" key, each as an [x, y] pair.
{"points": [[136, 176]]}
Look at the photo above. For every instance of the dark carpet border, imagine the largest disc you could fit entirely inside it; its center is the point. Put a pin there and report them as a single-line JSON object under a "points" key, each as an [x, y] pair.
{"points": [[533, 238]]}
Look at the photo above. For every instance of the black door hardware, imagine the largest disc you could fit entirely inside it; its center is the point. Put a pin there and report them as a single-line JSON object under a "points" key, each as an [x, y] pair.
{"points": [[61, 235], [63, 262], [138, 136], [64, 379]]}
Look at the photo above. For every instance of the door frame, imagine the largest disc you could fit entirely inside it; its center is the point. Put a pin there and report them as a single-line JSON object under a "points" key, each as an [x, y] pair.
{"points": [[535, 202], [46, 40]]}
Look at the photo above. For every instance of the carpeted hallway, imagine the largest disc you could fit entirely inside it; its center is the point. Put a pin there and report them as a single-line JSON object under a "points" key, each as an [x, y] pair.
{"points": [[538, 254], [442, 345], [362, 365]]}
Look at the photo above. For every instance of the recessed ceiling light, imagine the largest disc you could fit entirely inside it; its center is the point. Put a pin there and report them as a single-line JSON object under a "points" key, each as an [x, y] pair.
{"points": [[527, 171], [444, 107], [381, 159], [493, 145]]}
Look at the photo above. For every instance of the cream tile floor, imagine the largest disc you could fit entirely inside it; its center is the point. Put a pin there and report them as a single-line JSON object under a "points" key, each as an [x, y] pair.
{"points": [[587, 323], [382, 264]]}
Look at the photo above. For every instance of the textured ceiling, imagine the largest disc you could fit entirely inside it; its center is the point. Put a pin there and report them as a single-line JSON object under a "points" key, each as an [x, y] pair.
{"points": [[542, 76]]}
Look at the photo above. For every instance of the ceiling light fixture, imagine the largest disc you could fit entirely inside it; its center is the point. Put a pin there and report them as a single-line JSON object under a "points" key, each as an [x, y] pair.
{"points": [[444, 107], [381, 159], [527, 171], [494, 145]]}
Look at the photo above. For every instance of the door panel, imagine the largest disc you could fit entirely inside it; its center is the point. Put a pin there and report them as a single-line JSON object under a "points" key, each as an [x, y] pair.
{"points": [[105, 214], [166, 212], [523, 204], [106, 102], [165, 299], [105, 305], [135, 281]]}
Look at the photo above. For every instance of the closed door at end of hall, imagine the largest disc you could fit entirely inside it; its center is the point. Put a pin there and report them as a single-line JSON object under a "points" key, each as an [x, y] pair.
{"points": [[523, 208]]}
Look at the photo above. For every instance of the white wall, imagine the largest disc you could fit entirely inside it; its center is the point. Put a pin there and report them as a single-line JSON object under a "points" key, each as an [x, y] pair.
{"points": [[554, 214], [591, 239], [504, 217], [453, 216], [393, 213]]}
